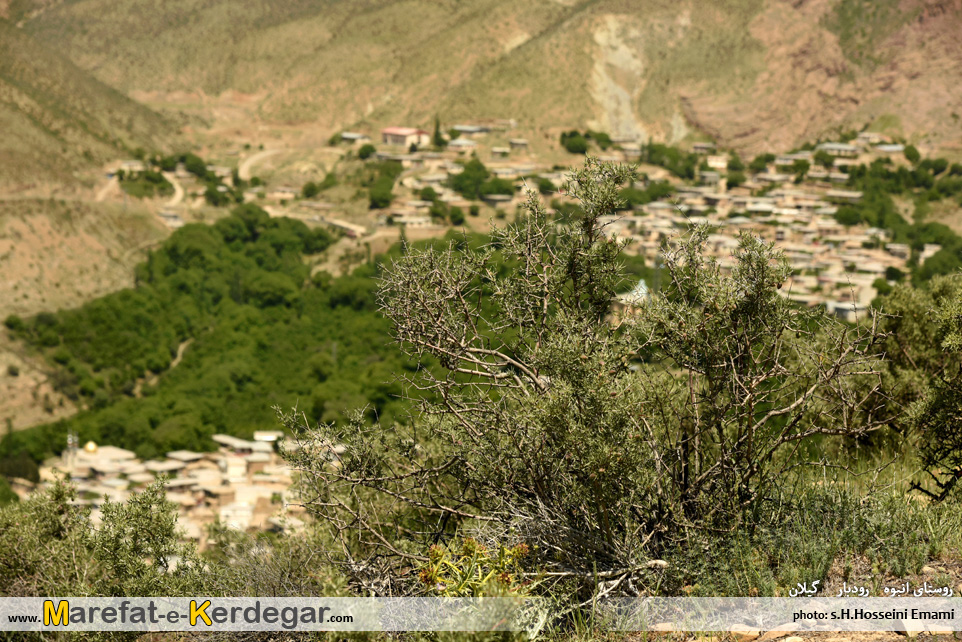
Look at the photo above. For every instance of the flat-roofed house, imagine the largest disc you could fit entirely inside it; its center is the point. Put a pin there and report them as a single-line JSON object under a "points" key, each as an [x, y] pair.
{"points": [[237, 516], [164, 467], [462, 144], [890, 148], [218, 495], [844, 150], [843, 196], [257, 462], [186, 456], [405, 136], [471, 130], [242, 446], [355, 138]]}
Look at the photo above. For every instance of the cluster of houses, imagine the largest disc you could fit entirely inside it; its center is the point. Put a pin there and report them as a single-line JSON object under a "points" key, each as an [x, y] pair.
{"points": [[834, 266], [243, 485]]}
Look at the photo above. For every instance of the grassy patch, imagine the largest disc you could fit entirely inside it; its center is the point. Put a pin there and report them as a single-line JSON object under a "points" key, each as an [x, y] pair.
{"points": [[862, 26]]}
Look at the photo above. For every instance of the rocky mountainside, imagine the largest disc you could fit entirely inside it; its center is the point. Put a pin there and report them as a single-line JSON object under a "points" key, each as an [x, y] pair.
{"points": [[752, 74]]}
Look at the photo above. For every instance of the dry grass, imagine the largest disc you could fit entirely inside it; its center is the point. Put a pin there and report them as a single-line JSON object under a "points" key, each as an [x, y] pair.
{"points": [[57, 119]]}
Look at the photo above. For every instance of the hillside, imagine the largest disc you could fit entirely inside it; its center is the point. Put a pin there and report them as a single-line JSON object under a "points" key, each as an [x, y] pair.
{"points": [[57, 119], [57, 254], [754, 74]]}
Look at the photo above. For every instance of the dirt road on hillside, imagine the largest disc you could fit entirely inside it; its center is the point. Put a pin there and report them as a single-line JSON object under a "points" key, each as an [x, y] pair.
{"points": [[244, 169]]}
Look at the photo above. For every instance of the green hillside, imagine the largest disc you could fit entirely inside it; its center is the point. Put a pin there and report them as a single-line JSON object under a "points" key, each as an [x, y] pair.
{"points": [[223, 324], [57, 118]]}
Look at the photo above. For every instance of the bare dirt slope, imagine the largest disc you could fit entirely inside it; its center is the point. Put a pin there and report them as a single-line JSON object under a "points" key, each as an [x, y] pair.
{"points": [[58, 254], [752, 73], [56, 119], [53, 255]]}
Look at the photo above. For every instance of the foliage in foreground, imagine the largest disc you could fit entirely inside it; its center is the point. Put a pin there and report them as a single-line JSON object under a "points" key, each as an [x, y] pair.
{"points": [[924, 376], [598, 442], [48, 546]]}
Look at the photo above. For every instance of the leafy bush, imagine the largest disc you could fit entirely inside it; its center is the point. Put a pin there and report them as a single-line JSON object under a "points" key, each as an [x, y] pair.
{"points": [[655, 191], [848, 216], [574, 433], [545, 186], [21, 466], [574, 143], [824, 159], [469, 569], [310, 189], [48, 546], [679, 163], [195, 165], [14, 323], [912, 154], [924, 374], [602, 139], [734, 179], [760, 163], [381, 192], [469, 182], [146, 184], [497, 186], [366, 151], [7, 496]]}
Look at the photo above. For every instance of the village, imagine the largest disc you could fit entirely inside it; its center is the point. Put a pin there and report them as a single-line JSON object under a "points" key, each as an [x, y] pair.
{"points": [[242, 485], [246, 485], [835, 264]]}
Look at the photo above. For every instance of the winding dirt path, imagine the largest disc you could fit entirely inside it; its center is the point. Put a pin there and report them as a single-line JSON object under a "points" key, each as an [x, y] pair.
{"points": [[244, 169], [178, 190]]}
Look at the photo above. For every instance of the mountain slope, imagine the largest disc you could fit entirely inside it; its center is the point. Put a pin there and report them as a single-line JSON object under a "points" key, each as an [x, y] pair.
{"points": [[754, 74], [56, 118]]}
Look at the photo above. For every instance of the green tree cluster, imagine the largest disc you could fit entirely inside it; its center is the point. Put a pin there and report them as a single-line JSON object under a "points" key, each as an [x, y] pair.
{"points": [[760, 163], [236, 301], [655, 190], [574, 142], [681, 164], [381, 191], [475, 181], [145, 184]]}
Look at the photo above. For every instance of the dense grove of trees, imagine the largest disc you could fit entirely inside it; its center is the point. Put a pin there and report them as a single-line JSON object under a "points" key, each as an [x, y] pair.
{"points": [[575, 142], [476, 181], [680, 163], [241, 292], [381, 189], [656, 190]]}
